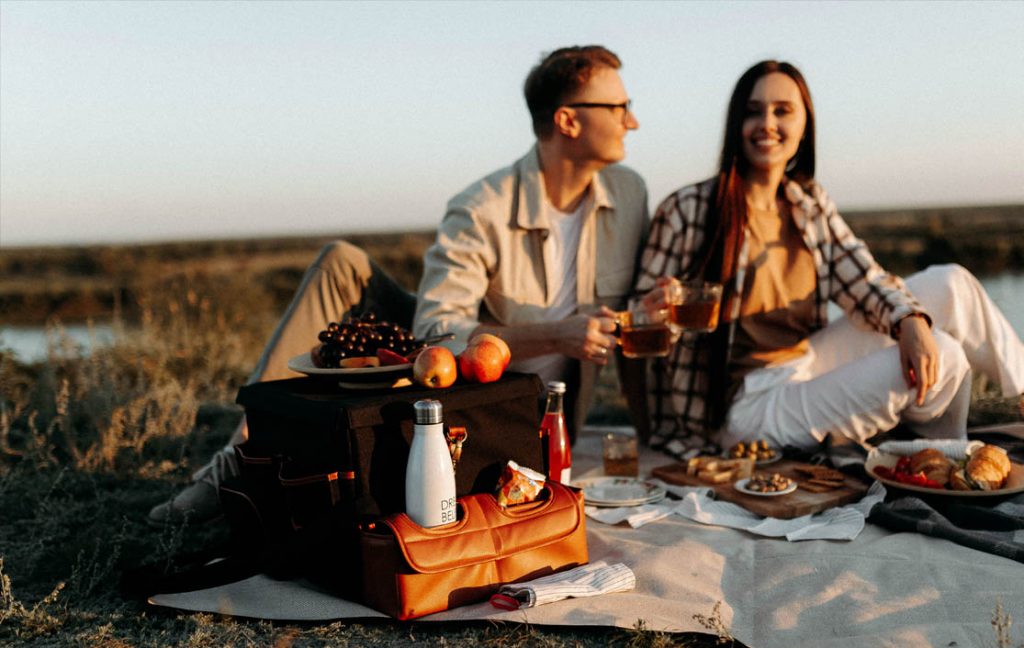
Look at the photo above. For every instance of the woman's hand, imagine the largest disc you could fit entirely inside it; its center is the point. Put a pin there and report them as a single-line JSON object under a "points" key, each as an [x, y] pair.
{"points": [[666, 291], [588, 337], [919, 357]]}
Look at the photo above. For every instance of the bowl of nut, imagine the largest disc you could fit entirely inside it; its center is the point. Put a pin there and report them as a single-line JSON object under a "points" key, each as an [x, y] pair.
{"points": [[766, 485], [758, 450]]}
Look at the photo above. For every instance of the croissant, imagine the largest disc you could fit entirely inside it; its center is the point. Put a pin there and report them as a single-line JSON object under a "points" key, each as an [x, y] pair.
{"points": [[933, 464], [988, 467]]}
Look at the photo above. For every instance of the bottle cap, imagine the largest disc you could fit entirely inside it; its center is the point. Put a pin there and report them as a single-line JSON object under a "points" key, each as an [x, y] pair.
{"points": [[556, 386], [428, 412]]}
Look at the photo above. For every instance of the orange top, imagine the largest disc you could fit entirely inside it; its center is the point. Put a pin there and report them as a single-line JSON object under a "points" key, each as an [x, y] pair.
{"points": [[778, 309]]}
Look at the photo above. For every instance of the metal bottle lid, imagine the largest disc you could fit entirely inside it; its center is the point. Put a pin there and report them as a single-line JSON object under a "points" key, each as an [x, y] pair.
{"points": [[556, 386], [428, 412]]}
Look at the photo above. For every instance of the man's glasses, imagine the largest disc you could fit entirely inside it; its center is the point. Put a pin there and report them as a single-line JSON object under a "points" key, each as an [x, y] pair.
{"points": [[626, 105]]}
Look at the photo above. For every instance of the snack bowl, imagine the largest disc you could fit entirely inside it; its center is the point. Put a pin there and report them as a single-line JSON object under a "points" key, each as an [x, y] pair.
{"points": [[741, 486]]}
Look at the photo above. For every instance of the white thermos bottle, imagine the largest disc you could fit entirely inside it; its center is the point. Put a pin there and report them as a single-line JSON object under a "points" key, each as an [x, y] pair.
{"points": [[429, 477]]}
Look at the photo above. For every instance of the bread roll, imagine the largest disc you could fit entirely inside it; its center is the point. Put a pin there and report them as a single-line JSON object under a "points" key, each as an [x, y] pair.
{"points": [[933, 464], [988, 467], [958, 481]]}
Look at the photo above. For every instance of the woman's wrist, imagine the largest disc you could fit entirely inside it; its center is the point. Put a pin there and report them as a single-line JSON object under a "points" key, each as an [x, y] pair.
{"points": [[899, 323]]}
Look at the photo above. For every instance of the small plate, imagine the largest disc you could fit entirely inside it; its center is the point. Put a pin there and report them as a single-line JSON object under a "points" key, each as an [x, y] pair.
{"points": [[362, 378], [1014, 483], [619, 491], [741, 486]]}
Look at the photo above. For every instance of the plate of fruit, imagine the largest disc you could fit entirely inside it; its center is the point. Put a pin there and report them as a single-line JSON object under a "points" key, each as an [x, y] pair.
{"points": [[368, 353], [364, 353]]}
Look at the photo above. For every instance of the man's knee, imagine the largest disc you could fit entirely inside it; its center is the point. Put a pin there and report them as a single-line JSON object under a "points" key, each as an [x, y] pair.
{"points": [[342, 258]]}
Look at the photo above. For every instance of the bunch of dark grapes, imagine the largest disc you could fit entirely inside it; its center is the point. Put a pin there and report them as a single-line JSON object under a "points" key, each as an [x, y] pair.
{"points": [[362, 336]]}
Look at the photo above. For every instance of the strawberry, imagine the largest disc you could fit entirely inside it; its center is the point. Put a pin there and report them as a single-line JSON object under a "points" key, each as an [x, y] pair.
{"points": [[389, 357]]}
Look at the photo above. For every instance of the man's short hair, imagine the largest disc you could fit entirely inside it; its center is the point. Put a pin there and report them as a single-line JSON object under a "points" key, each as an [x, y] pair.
{"points": [[558, 76]]}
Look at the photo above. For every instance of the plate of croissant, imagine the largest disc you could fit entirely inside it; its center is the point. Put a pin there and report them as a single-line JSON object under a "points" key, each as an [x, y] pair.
{"points": [[986, 471]]}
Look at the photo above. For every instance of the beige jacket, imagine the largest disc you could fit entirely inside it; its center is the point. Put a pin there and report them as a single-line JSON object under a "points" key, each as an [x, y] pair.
{"points": [[492, 261]]}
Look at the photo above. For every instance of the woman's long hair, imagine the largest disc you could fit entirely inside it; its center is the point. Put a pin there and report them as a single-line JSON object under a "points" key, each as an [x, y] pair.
{"points": [[727, 214]]}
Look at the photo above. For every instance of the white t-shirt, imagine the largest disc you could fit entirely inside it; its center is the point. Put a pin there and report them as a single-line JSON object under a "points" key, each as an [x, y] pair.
{"points": [[562, 245]]}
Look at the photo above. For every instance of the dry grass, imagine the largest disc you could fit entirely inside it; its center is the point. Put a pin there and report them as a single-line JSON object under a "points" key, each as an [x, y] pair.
{"points": [[89, 442]]}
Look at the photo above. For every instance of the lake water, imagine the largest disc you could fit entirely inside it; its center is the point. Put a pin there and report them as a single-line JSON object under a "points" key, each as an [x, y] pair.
{"points": [[29, 343]]}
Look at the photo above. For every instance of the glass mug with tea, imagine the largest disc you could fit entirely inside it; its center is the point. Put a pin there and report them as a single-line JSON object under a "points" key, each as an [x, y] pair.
{"points": [[644, 332], [695, 305], [620, 455]]}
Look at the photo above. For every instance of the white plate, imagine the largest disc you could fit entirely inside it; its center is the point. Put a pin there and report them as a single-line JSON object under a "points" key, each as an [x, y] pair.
{"points": [[741, 486], [1014, 483], [361, 378], [619, 491]]}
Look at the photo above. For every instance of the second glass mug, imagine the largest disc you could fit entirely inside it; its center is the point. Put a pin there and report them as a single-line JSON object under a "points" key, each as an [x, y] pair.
{"points": [[695, 305]]}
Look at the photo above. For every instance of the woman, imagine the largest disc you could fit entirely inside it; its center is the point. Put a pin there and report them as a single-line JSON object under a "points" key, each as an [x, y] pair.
{"points": [[766, 230]]}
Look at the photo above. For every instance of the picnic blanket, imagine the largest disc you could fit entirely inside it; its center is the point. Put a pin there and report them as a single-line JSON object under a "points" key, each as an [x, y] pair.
{"points": [[881, 588]]}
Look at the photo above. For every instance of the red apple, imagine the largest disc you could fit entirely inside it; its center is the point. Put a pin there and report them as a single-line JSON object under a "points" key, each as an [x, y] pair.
{"points": [[497, 341], [435, 367], [483, 362]]}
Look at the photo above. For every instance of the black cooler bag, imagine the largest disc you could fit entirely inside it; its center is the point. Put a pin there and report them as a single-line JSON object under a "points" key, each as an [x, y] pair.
{"points": [[320, 459]]}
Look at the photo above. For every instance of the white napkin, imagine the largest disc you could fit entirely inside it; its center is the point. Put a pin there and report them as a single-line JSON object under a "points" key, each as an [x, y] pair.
{"points": [[587, 580], [953, 448], [839, 523]]}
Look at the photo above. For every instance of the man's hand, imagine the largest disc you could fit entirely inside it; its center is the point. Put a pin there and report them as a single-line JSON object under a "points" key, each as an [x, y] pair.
{"points": [[588, 337], [919, 357]]}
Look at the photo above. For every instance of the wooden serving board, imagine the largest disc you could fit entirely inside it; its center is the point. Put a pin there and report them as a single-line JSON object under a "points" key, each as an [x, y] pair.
{"points": [[791, 505]]}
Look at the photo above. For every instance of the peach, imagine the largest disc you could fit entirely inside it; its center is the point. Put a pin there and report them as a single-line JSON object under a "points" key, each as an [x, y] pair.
{"points": [[435, 367], [359, 362]]}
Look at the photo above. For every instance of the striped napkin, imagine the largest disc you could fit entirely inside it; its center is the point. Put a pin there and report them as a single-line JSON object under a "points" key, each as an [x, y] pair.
{"points": [[954, 449], [697, 504], [586, 580]]}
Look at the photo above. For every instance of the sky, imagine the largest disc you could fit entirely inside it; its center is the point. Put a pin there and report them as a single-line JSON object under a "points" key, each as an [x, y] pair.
{"points": [[145, 121]]}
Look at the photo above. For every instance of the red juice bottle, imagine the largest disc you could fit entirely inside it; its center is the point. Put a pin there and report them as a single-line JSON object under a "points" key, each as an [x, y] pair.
{"points": [[554, 435]]}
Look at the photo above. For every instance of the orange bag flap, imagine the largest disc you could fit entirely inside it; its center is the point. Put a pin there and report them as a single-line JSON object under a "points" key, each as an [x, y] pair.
{"points": [[487, 531]]}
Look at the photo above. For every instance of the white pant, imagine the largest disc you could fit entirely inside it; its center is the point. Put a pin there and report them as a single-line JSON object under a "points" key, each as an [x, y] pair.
{"points": [[850, 382]]}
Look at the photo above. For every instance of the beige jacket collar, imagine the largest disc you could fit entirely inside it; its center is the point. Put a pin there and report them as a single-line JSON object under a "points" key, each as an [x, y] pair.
{"points": [[528, 208]]}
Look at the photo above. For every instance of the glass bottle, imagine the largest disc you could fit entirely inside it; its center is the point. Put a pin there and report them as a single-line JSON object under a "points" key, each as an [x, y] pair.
{"points": [[429, 477], [554, 435]]}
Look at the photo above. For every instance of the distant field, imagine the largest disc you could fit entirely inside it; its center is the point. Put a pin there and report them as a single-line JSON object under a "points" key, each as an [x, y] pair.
{"points": [[75, 283]]}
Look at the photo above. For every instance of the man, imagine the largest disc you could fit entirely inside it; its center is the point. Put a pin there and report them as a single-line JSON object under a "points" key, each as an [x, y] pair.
{"points": [[517, 252], [516, 255]]}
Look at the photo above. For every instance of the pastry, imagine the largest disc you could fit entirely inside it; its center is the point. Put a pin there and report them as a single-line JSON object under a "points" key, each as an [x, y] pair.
{"points": [[933, 463], [988, 467], [715, 470]]}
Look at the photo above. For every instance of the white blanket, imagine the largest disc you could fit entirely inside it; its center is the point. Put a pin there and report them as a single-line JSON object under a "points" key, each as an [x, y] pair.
{"points": [[881, 588]]}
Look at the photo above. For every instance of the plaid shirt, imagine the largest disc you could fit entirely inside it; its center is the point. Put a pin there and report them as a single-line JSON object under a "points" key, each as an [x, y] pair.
{"points": [[847, 274]]}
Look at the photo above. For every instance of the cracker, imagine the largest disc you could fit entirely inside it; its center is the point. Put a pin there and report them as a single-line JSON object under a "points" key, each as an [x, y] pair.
{"points": [[820, 472]]}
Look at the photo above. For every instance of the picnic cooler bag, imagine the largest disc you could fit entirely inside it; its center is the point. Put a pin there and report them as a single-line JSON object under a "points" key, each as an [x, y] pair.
{"points": [[410, 571], [321, 459]]}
